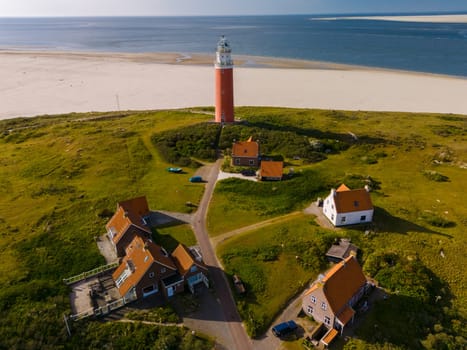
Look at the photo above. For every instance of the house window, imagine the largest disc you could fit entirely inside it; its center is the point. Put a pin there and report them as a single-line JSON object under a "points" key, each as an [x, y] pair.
{"points": [[343, 219], [148, 289], [237, 161], [327, 320], [309, 309], [313, 299], [332, 216], [323, 305], [355, 203], [163, 270], [193, 268], [252, 162], [363, 218], [112, 232], [123, 276], [151, 274]]}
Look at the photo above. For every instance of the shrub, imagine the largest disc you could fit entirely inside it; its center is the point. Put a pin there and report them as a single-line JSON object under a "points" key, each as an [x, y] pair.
{"points": [[180, 145], [435, 176], [437, 221]]}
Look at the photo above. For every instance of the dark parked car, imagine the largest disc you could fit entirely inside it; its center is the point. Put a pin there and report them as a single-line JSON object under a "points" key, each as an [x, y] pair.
{"points": [[284, 328], [248, 172], [196, 179]]}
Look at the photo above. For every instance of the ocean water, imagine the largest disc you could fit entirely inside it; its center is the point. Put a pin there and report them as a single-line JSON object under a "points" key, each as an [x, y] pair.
{"points": [[425, 47]]}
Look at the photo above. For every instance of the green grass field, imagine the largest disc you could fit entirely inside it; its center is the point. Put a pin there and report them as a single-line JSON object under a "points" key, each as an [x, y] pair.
{"points": [[417, 165], [60, 175]]}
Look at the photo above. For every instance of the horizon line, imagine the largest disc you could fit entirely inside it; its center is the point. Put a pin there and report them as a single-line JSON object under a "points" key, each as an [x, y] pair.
{"points": [[403, 13]]}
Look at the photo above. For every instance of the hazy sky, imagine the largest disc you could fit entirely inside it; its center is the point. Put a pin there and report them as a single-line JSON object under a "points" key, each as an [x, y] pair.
{"points": [[218, 7]]}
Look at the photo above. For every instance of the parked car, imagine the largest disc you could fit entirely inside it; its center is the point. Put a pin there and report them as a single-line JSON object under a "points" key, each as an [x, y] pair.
{"points": [[196, 179], [284, 328], [240, 288], [248, 172], [174, 170]]}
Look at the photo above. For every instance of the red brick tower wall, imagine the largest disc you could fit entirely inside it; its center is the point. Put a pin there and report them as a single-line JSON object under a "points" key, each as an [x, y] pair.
{"points": [[224, 95]]}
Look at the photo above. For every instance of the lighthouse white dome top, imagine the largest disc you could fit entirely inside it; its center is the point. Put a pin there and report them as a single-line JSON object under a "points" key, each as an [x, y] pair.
{"points": [[223, 45], [223, 59]]}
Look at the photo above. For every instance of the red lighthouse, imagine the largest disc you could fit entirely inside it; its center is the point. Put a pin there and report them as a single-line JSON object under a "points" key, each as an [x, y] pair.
{"points": [[224, 83]]}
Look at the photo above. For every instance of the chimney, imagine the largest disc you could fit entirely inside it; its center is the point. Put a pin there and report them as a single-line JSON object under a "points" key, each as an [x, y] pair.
{"points": [[367, 188], [333, 192]]}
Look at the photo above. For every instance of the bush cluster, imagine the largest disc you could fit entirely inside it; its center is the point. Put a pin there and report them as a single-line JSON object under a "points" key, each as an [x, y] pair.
{"points": [[179, 146]]}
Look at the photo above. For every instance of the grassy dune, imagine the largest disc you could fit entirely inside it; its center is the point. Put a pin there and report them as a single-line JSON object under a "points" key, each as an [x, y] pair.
{"points": [[417, 166], [61, 176]]}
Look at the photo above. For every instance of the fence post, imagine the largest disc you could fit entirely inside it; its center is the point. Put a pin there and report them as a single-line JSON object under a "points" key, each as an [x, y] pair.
{"points": [[66, 324]]}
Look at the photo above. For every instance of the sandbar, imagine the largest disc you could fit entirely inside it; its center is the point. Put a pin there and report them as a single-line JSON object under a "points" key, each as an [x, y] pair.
{"points": [[38, 83], [426, 18]]}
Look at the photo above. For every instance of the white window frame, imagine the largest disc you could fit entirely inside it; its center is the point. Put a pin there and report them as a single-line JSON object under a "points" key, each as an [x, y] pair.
{"points": [[323, 305], [309, 309], [363, 218], [313, 299], [327, 320], [123, 276], [151, 274]]}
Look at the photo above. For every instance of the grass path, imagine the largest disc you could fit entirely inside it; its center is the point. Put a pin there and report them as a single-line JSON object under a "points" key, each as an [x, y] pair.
{"points": [[310, 210], [223, 237], [126, 320]]}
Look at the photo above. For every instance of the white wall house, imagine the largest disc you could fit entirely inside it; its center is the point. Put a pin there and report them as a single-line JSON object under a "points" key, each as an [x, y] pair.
{"points": [[348, 207]]}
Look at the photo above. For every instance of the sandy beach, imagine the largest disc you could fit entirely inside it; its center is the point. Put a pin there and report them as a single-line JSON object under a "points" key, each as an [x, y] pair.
{"points": [[37, 83], [431, 19]]}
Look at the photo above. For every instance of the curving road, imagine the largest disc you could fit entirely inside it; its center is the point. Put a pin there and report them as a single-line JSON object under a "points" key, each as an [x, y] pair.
{"points": [[232, 320]]}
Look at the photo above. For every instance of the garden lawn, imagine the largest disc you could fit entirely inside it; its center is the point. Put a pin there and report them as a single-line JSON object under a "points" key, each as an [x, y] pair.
{"points": [[170, 237]]}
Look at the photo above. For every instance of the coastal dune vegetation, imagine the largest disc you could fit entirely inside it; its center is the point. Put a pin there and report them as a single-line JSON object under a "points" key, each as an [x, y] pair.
{"points": [[63, 175]]}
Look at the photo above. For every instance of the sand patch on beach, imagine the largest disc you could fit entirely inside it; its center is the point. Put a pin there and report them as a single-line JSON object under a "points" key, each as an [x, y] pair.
{"points": [[36, 83]]}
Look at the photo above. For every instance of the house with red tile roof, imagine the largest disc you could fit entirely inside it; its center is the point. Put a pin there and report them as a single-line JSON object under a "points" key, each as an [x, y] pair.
{"points": [[143, 269], [245, 153], [190, 266], [348, 207], [271, 170], [331, 298], [131, 219]]}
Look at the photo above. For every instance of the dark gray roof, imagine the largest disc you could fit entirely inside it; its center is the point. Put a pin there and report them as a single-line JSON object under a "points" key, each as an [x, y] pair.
{"points": [[341, 249]]}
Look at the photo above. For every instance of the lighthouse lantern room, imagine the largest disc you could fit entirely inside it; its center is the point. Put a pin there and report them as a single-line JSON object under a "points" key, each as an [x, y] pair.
{"points": [[224, 83]]}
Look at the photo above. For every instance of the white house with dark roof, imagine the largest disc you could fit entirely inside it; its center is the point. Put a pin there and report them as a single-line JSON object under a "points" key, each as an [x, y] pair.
{"points": [[348, 207]]}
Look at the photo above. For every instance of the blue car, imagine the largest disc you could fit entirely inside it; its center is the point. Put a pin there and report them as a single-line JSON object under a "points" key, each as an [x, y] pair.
{"points": [[284, 328], [196, 179]]}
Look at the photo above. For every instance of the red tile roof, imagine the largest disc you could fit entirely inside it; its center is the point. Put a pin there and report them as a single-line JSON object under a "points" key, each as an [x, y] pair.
{"points": [[311, 289], [346, 315], [248, 148], [347, 200], [343, 188], [329, 336], [185, 260], [130, 212], [272, 169], [140, 256], [342, 282]]}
